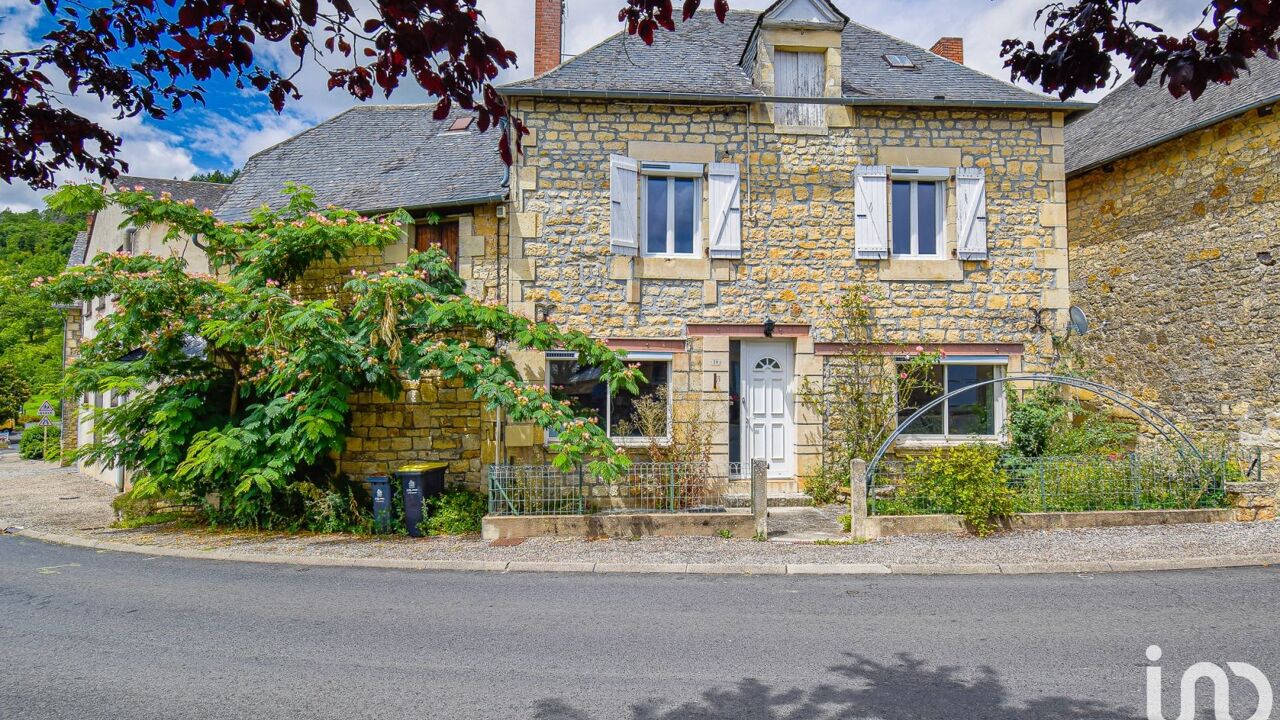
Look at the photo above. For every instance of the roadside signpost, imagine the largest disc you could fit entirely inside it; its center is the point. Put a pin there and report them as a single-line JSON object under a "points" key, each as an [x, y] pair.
{"points": [[46, 414]]}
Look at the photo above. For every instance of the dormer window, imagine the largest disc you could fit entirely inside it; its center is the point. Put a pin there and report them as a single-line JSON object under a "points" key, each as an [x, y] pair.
{"points": [[799, 74], [900, 61]]}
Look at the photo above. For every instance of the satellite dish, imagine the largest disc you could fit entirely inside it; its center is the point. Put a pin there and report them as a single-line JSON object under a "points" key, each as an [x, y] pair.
{"points": [[1079, 324]]}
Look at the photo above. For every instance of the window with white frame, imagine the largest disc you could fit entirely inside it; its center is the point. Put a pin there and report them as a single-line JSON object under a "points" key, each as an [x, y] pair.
{"points": [[977, 412], [590, 397], [918, 211], [671, 209]]}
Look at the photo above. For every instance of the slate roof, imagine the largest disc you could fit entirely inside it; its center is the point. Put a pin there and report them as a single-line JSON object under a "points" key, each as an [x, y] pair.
{"points": [[372, 158], [702, 58], [1134, 118], [206, 194], [79, 248]]}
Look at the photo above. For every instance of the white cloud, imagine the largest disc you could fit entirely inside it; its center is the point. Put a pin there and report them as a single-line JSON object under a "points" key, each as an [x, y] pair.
{"points": [[237, 139]]}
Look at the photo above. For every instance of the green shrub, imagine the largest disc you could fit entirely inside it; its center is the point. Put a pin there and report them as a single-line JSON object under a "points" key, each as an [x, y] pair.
{"points": [[1095, 434], [1046, 423], [828, 486], [1033, 419], [135, 504], [964, 480], [34, 446], [457, 512], [334, 510]]}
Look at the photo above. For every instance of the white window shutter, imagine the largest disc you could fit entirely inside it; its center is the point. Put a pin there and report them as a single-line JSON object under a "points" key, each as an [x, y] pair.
{"points": [[971, 213], [624, 201], [726, 209], [871, 212]]}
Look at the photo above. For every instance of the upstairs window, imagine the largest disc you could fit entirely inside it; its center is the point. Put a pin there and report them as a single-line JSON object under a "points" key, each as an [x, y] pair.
{"points": [[671, 209], [128, 246], [917, 212], [799, 74], [443, 235]]}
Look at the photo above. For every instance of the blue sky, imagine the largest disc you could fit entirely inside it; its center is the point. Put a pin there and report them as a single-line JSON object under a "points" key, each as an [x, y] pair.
{"points": [[234, 124]]}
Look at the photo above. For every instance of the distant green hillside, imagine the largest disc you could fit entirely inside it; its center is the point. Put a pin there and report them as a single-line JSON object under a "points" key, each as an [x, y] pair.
{"points": [[32, 244]]}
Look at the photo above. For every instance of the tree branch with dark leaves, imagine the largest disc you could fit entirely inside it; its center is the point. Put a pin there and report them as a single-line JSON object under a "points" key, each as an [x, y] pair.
{"points": [[1083, 36]]}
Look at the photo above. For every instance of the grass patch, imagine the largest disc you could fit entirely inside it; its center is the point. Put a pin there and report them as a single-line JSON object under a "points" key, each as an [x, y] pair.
{"points": [[851, 541], [159, 518]]}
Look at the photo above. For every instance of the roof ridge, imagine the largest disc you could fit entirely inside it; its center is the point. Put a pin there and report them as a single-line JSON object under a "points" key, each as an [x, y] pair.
{"points": [[193, 182]]}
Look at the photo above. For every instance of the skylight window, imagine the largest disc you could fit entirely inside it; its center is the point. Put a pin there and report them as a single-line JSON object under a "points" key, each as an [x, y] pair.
{"points": [[462, 123], [899, 61]]}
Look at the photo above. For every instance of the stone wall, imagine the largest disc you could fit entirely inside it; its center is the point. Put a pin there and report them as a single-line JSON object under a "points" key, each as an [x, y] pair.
{"points": [[798, 237], [1169, 254]]}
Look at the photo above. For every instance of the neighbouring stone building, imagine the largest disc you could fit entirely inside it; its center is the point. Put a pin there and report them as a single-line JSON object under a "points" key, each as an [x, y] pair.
{"points": [[1174, 221], [683, 201]]}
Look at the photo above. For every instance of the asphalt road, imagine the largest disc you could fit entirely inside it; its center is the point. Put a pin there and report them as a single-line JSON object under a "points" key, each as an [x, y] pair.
{"points": [[87, 634]]}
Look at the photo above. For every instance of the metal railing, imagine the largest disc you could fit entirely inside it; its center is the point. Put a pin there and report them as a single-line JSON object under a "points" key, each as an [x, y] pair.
{"points": [[1133, 481], [644, 487]]}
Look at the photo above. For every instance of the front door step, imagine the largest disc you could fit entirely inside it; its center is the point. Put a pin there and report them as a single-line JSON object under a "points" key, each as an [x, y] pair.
{"points": [[778, 486], [743, 500]]}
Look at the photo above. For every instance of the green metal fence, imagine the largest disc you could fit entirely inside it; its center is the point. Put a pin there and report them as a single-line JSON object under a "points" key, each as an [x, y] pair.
{"points": [[1133, 481], [644, 487]]}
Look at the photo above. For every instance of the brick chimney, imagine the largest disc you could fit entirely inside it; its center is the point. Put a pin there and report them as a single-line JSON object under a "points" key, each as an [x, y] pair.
{"points": [[548, 27], [951, 48]]}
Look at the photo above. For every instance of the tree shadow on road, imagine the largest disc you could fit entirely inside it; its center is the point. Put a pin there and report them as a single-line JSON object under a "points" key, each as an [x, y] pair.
{"points": [[866, 689]]}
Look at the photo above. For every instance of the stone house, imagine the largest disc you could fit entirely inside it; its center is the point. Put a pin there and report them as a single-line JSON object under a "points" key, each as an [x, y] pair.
{"points": [[695, 203], [107, 232], [1174, 221]]}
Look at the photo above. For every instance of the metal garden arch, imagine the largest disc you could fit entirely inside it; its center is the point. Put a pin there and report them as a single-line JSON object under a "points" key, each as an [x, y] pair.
{"points": [[1134, 405]]}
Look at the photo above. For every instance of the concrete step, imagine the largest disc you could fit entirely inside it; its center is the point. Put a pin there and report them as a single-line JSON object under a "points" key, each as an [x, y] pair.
{"points": [[793, 499]]}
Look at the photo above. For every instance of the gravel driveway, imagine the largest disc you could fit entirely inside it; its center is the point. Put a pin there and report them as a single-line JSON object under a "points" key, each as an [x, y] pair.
{"points": [[44, 497]]}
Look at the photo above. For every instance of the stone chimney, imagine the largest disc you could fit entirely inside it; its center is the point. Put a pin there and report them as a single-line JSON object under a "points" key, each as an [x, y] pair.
{"points": [[548, 28], [951, 48]]}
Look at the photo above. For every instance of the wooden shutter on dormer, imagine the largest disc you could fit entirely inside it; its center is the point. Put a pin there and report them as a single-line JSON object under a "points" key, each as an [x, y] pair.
{"points": [[971, 213], [624, 201], [871, 212], [724, 180]]}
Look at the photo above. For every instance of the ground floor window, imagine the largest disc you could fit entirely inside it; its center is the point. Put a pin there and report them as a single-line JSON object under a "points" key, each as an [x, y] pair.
{"points": [[623, 415], [973, 413]]}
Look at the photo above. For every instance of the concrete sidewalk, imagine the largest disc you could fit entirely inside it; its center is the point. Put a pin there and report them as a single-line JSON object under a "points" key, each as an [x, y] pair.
{"points": [[729, 568], [54, 504]]}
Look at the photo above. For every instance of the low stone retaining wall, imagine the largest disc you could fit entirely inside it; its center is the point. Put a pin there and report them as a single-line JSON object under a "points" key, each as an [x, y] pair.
{"points": [[1253, 501], [739, 524], [891, 525]]}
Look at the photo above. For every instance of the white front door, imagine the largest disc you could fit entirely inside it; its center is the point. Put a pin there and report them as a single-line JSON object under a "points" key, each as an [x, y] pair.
{"points": [[768, 427]]}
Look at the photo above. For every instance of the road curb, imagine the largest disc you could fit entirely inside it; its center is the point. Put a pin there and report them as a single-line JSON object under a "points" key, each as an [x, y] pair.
{"points": [[845, 569]]}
